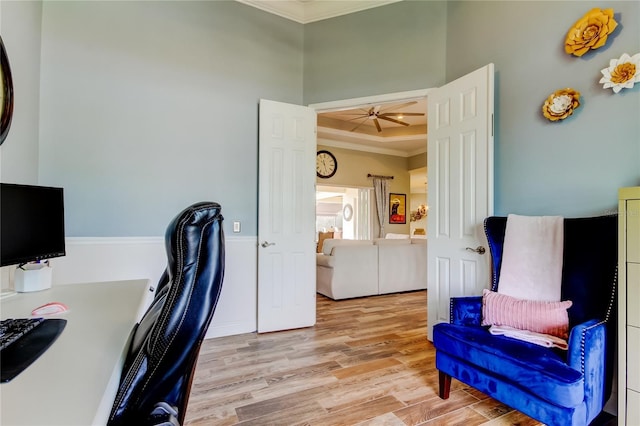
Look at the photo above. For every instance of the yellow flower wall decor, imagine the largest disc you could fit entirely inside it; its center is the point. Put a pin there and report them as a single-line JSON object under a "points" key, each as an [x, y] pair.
{"points": [[561, 104], [621, 73], [590, 31]]}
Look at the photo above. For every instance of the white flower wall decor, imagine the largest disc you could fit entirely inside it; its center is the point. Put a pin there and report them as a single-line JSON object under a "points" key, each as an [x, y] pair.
{"points": [[561, 104], [621, 73]]}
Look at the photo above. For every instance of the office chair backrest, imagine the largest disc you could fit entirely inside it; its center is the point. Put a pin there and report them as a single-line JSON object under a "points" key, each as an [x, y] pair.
{"points": [[164, 346]]}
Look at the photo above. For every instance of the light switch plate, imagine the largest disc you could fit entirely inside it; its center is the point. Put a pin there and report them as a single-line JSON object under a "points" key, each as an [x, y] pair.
{"points": [[236, 226]]}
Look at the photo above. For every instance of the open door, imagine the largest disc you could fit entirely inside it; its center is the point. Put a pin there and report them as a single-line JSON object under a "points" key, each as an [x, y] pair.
{"points": [[286, 213], [460, 196]]}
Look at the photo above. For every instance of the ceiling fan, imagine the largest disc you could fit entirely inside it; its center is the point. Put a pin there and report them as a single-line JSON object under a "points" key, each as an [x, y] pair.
{"points": [[377, 113]]}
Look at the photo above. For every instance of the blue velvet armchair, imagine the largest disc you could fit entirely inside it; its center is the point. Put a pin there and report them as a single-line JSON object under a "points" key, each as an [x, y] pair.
{"points": [[550, 385]]}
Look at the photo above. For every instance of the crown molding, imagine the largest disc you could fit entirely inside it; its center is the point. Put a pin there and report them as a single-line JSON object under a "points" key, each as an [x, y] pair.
{"points": [[363, 148], [307, 11], [364, 142]]}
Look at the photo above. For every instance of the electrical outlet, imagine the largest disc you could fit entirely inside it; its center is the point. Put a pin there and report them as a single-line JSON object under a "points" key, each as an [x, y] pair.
{"points": [[236, 226]]}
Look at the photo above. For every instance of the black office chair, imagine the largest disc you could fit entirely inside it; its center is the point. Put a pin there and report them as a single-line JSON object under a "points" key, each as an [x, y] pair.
{"points": [[159, 365]]}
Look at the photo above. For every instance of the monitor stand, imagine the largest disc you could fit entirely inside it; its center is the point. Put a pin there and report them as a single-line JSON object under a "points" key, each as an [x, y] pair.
{"points": [[33, 277]]}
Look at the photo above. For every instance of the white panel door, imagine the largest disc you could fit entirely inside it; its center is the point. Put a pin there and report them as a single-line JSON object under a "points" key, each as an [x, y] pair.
{"points": [[460, 197], [286, 217]]}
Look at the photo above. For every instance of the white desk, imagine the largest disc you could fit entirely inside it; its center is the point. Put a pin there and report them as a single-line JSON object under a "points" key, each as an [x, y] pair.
{"points": [[75, 381]]}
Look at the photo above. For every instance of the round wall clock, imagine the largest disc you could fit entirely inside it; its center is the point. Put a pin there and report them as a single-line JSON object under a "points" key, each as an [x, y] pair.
{"points": [[326, 164], [347, 212]]}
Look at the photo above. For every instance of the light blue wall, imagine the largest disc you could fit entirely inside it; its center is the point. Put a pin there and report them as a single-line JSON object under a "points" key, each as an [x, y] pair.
{"points": [[147, 107], [381, 50], [20, 29], [573, 167]]}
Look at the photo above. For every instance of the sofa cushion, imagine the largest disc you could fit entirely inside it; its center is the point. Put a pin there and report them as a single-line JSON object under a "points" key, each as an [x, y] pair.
{"points": [[391, 242], [392, 236], [402, 266], [328, 245], [324, 260], [536, 369]]}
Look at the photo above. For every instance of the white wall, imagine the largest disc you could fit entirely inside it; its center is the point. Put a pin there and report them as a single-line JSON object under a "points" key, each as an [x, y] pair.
{"points": [[113, 259]]}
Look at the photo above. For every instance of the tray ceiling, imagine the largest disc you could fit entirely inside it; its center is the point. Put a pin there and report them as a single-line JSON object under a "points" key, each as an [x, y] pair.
{"points": [[355, 129]]}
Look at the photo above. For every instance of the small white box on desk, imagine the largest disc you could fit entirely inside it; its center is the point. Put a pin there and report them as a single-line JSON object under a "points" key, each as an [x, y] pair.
{"points": [[33, 277]]}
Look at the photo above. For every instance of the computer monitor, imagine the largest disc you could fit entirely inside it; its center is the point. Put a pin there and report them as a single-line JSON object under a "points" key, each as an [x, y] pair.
{"points": [[31, 223]]}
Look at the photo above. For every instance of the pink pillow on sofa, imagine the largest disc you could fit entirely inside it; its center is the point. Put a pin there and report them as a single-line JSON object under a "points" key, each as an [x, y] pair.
{"points": [[540, 317]]}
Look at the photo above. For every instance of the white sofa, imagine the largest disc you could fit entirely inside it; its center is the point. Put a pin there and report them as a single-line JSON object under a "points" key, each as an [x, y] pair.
{"points": [[357, 268]]}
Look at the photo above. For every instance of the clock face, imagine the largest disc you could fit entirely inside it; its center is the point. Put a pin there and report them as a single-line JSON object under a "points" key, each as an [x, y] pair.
{"points": [[326, 164]]}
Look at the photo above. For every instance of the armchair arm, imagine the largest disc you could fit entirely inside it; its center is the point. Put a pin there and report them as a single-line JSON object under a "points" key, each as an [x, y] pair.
{"points": [[587, 345], [466, 310]]}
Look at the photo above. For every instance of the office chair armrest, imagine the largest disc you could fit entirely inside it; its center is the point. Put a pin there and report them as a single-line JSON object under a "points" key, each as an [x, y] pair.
{"points": [[586, 353], [466, 310]]}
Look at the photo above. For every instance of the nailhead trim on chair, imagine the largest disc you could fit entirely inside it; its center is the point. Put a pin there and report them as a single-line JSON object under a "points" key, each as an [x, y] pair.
{"points": [[450, 310], [613, 295], [604, 321], [494, 280]]}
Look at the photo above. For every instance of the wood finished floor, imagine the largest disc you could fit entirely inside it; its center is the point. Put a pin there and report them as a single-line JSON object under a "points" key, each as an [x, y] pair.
{"points": [[366, 361]]}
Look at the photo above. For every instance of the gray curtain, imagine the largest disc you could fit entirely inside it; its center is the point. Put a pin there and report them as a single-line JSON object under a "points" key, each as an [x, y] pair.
{"points": [[381, 189]]}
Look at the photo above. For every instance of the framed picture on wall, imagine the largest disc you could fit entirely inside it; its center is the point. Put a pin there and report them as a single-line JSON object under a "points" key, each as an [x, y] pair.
{"points": [[397, 208]]}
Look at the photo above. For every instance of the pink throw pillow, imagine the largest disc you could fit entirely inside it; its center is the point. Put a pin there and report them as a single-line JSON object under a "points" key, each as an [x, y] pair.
{"points": [[540, 317]]}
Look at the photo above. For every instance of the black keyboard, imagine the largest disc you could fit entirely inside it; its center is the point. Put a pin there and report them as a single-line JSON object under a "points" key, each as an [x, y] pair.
{"points": [[14, 328], [23, 340]]}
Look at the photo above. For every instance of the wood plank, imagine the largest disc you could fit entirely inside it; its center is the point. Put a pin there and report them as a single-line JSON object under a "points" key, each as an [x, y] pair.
{"points": [[365, 367], [357, 413], [366, 361], [434, 407]]}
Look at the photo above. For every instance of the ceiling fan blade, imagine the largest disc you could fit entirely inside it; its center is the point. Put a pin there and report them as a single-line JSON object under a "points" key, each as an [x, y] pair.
{"points": [[358, 118], [393, 120], [408, 114], [399, 106], [361, 114], [375, 121], [360, 124]]}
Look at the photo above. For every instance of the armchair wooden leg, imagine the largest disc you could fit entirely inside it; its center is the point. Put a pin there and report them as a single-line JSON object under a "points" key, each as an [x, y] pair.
{"points": [[444, 381]]}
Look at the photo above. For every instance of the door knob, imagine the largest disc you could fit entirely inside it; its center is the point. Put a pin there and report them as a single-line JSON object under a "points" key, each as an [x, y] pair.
{"points": [[479, 249], [266, 244]]}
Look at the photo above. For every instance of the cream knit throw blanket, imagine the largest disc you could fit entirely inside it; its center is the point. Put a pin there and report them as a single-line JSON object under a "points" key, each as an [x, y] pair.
{"points": [[532, 258]]}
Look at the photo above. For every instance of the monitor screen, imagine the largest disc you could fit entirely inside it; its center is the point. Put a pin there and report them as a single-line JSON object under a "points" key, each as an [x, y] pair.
{"points": [[31, 223]]}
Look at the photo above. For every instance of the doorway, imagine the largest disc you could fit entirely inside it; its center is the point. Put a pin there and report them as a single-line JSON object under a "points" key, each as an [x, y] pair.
{"points": [[460, 172], [349, 124]]}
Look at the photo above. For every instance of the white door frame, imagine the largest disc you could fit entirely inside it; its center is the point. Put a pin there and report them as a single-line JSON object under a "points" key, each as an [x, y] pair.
{"points": [[375, 99], [368, 100]]}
